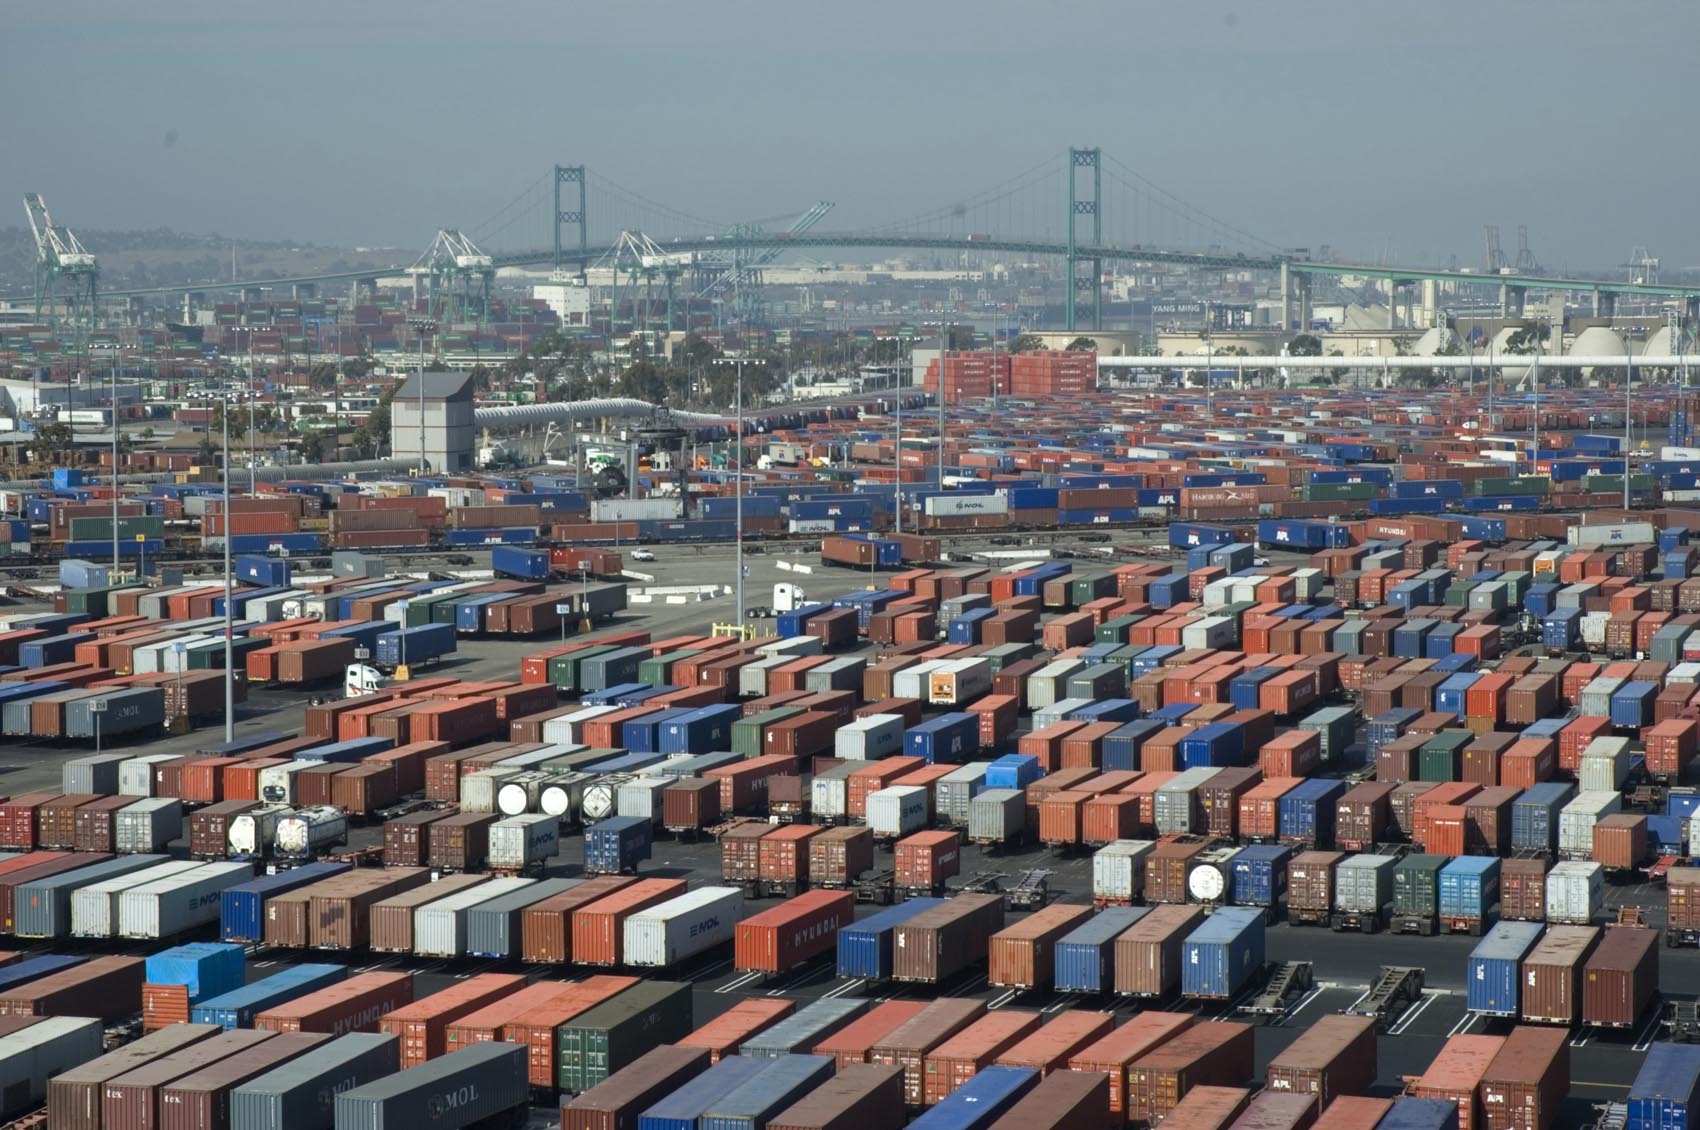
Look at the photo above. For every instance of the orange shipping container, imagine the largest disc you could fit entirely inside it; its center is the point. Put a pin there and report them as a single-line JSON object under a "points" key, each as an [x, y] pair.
{"points": [[1455, 1075], [1022, 955], [723, 1035], [422, 1027], [977, 1046]]}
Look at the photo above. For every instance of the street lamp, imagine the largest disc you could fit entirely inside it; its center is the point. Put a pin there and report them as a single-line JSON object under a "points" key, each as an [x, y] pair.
{"points": [[113, 348], [97, 707], [1628, 383], [738, 488]]}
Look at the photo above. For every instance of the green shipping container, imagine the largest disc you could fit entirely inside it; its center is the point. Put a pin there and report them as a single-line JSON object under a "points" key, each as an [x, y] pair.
{"points": [[1441, 758], [1522, 484], [1458, 594], [563, 669], [657, 671], [210, 656], [1517, 585], [1006, 653], [1341, 492], [1115, 631], [595, 1044], [1092, 586], [1416, 884], [93, 602], [748, 733], [1613, 484], [100, 529]]}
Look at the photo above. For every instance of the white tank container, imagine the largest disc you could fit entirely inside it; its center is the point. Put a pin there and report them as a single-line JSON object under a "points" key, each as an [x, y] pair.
{"points": [[1118, 870], [682, 927], [148, 825], [563, 797], [300, 835], [519, 842], [523, 793], [1576, 892], [1576, 821], [869, 738], [439, 928], [135, 774], [641, 797], [277, 782], [602, 797], [173, 905], [897, 811], [478, 790], [94, 908], [253, 834]]}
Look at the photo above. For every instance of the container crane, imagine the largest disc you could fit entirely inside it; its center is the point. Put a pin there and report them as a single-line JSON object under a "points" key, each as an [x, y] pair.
{"points": [[743, 276], [65, 271], [455, 276]]}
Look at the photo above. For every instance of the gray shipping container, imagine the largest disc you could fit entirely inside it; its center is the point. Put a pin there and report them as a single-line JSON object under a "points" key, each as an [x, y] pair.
{"points": [[466, 1086], [96, 773], [33, 1055], [149, 825], [1175, 806], [842, 674], [1335, 726], [301, 1095], [135, 774], [42, 909], [611, 668], [493, 928], [439, 928], [805, 1028], [954, 792], [127, 712], [1106, 680], [1363, 884], [997, 816]]}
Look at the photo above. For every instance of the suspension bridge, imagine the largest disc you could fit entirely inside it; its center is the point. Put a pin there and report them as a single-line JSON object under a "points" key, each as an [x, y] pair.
{"points": [[1083, 207]]}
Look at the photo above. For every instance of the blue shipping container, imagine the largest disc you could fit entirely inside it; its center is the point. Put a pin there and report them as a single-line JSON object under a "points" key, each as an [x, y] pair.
{"points": [[979, 1102], [617, 844], [1085, 956], [241, 909], [681, 1108], [864, 948], [948, 738], [415, 645], [1666, 1091], [701, 731], [237, 1008], [1420, 1114], [1214, 746], [1260, 875], [1306, 811], [206, 969], [1121, 746], [1013, 771], [1219, 957], [1469, 887], [1494, 972], [1534, 815], [754, 1101]]}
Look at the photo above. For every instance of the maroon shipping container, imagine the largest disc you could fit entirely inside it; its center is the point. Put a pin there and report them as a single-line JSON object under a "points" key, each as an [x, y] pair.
{"points": [[784, 936], [938, 942], [1335, 1056], [1523, 889], [1167, 866], [1022, 955], [390, 920], [1064, 1100], [1062, 1037], [354, 1005], [908, 1044], [95, 823], [690, 804], [407, 838], [56, 821], [1148, 953], [1362, 815], [973, 1049], [838, 856], [1210, 1053], [618, 1101], [1620, 979], [74, 1095], [1278, 1110], [1552, 975], [1353, 1112], [1525, 1085], [201, 1101], [338, 910], [726, 1033], [1208, 1108], [859, 1096], [1114, 1053], [106, 987], [131, 1101], [546, 927], [460, 842], [1455, 1075], [209, 827]]}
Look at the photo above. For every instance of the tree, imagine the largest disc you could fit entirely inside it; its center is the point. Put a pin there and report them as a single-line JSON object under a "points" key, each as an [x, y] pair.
{"points": [[1027, 343], [322, 377], [56, 436], [1305, 345], [314, 446], [1524, 338], [1082, 345]]}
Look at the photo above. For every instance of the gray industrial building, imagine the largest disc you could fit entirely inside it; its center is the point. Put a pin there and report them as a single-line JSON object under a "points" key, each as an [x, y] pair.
{"points": [[449, 437]]}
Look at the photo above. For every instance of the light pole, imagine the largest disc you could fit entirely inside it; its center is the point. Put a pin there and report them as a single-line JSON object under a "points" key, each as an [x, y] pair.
{"points": [[402, 674], [421, 326], [1628, 383], [738, 490], [97, 707], [944, 343], [114, 481], [229, 595]]}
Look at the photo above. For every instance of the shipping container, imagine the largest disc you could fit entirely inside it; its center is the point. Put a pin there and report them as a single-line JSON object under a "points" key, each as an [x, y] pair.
{"points": [[301, 1094], [461, 1089]]}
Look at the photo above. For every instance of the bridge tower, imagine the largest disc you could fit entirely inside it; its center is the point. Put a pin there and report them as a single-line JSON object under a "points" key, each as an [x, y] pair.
{"points": [[571, 174], [1079, 159]]}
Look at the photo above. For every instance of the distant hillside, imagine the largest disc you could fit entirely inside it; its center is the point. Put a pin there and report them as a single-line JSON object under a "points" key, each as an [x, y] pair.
{"points": [[167, 258]]}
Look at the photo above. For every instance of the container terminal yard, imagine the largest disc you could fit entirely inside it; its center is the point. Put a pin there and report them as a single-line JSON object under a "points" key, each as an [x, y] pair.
{"points": [[1070, 664]]}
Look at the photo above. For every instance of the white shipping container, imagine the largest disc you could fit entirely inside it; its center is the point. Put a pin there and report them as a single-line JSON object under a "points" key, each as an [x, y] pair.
{"points": [[147, 825], [1045, 685], [829, 792], [570, 727], [1118, 870], [682, 927], [997, 816], [1683, 673], [478, 790], [897, 811], [641, 797], [1058, 711], [173, 905], [520, 842], [637, 509], [1307, 585], [956, 790], [439, 928], [960, 681], [1363, 884], [1576, 821], [302, 834], [792, 647], [1211, 632], [1594, 629], [31, 1056], [915, 681], [135, 774], [1576, 892], [1596, 696], [1621, 533], [951, 505], [94, 908], [277, 782], [869, 738], [1605, 765], [252, 833], [1219, 593]]}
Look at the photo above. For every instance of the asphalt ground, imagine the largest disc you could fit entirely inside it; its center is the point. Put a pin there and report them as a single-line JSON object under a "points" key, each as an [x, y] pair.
{"points": [[1344, 964]]}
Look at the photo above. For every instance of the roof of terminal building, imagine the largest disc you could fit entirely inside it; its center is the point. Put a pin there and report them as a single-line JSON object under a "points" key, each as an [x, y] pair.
{"points": [[440, 384]]}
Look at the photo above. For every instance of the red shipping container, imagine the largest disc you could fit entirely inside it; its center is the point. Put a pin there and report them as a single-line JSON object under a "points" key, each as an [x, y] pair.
{"points": [[784, 936], [422, 1027], [925, 860], [1296, 753], [723, 1035], [354, 1005]]}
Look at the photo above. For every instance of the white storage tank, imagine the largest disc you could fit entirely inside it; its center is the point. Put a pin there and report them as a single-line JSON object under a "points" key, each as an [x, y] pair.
{"points": [[439, 928], [897, 811], [170, 906], [521, 842], [303, 834], [869, 738], [1118, 871], [564, 796], [1576, 892], [682, 927]]}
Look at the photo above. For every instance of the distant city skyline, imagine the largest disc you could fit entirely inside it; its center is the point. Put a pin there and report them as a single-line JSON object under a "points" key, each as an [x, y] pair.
{"points": [[1385, 133]]}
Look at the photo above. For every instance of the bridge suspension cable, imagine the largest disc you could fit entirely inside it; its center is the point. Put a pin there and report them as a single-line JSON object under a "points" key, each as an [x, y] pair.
{"points": [[1142, 186]]}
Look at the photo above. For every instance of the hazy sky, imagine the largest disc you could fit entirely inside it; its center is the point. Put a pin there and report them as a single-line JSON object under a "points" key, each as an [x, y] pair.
{"points": [[1382, 129]]}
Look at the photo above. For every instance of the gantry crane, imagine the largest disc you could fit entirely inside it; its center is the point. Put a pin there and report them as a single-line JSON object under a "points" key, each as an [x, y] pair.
{"points": [[65, 271], [456, 277], [742, 276]]}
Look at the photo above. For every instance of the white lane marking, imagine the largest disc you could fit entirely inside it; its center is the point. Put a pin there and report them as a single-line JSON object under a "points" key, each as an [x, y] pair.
{"points": [[845, 989], [1464, 1024], [738, 982], [1410, 1014]]}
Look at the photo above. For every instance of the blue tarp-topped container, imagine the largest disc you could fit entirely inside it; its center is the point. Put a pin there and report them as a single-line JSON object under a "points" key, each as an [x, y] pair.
{"points": [[1666, 1091], [351, 750], [1494, 972], [680, 1109], [752, 1103], [237, 1008], [1013, 771], [1219, 957], [206, 969], [1085, 956], [241, 909], [864, 948], [979, 1102]]}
